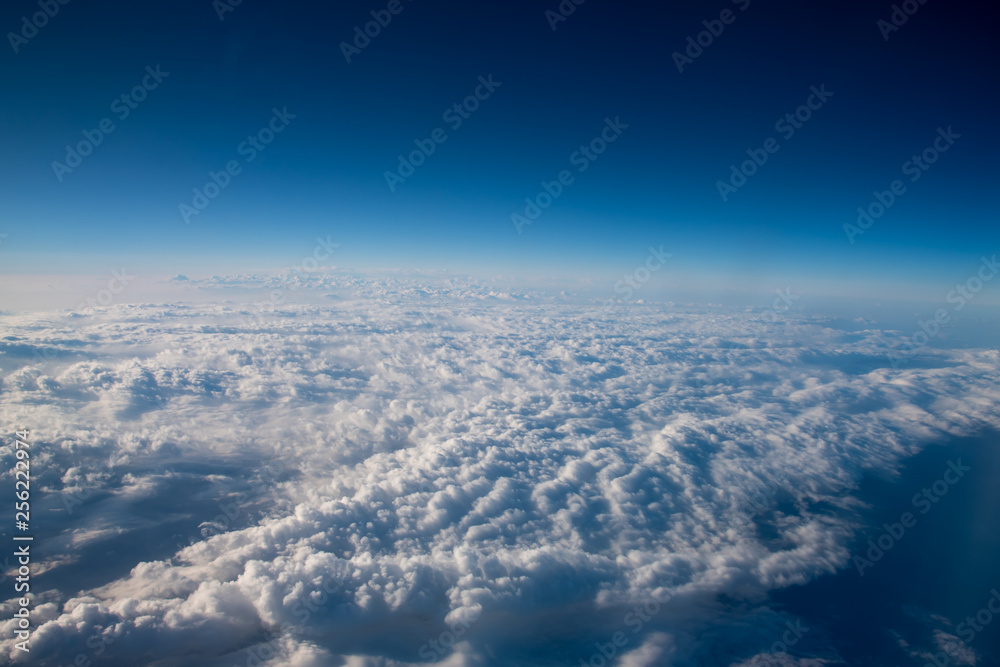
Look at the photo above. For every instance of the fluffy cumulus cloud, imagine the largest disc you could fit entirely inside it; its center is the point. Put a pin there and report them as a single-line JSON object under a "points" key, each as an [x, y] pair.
{"points": [[467, 478]]}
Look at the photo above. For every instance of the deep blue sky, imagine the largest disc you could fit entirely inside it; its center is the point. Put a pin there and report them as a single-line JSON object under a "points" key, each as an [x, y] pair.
{"points": [[655, 185]]}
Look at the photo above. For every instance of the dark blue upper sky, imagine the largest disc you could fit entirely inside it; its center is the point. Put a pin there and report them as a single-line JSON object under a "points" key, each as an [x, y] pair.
{"points": [[656, 184]]}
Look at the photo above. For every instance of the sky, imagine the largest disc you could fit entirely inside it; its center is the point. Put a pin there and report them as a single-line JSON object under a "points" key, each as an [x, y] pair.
{"points": [[347, 113], [342, 329]]}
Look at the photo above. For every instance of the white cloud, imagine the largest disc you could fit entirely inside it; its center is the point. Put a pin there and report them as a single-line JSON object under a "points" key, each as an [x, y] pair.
{"points": [[382, 472]]}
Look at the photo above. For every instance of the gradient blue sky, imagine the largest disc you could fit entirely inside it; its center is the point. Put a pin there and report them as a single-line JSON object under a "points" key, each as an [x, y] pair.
{"points": [[655, 185]]}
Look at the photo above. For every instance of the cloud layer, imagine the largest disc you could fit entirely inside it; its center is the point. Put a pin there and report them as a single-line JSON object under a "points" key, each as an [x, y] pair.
{"points": [[464, 477]]}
